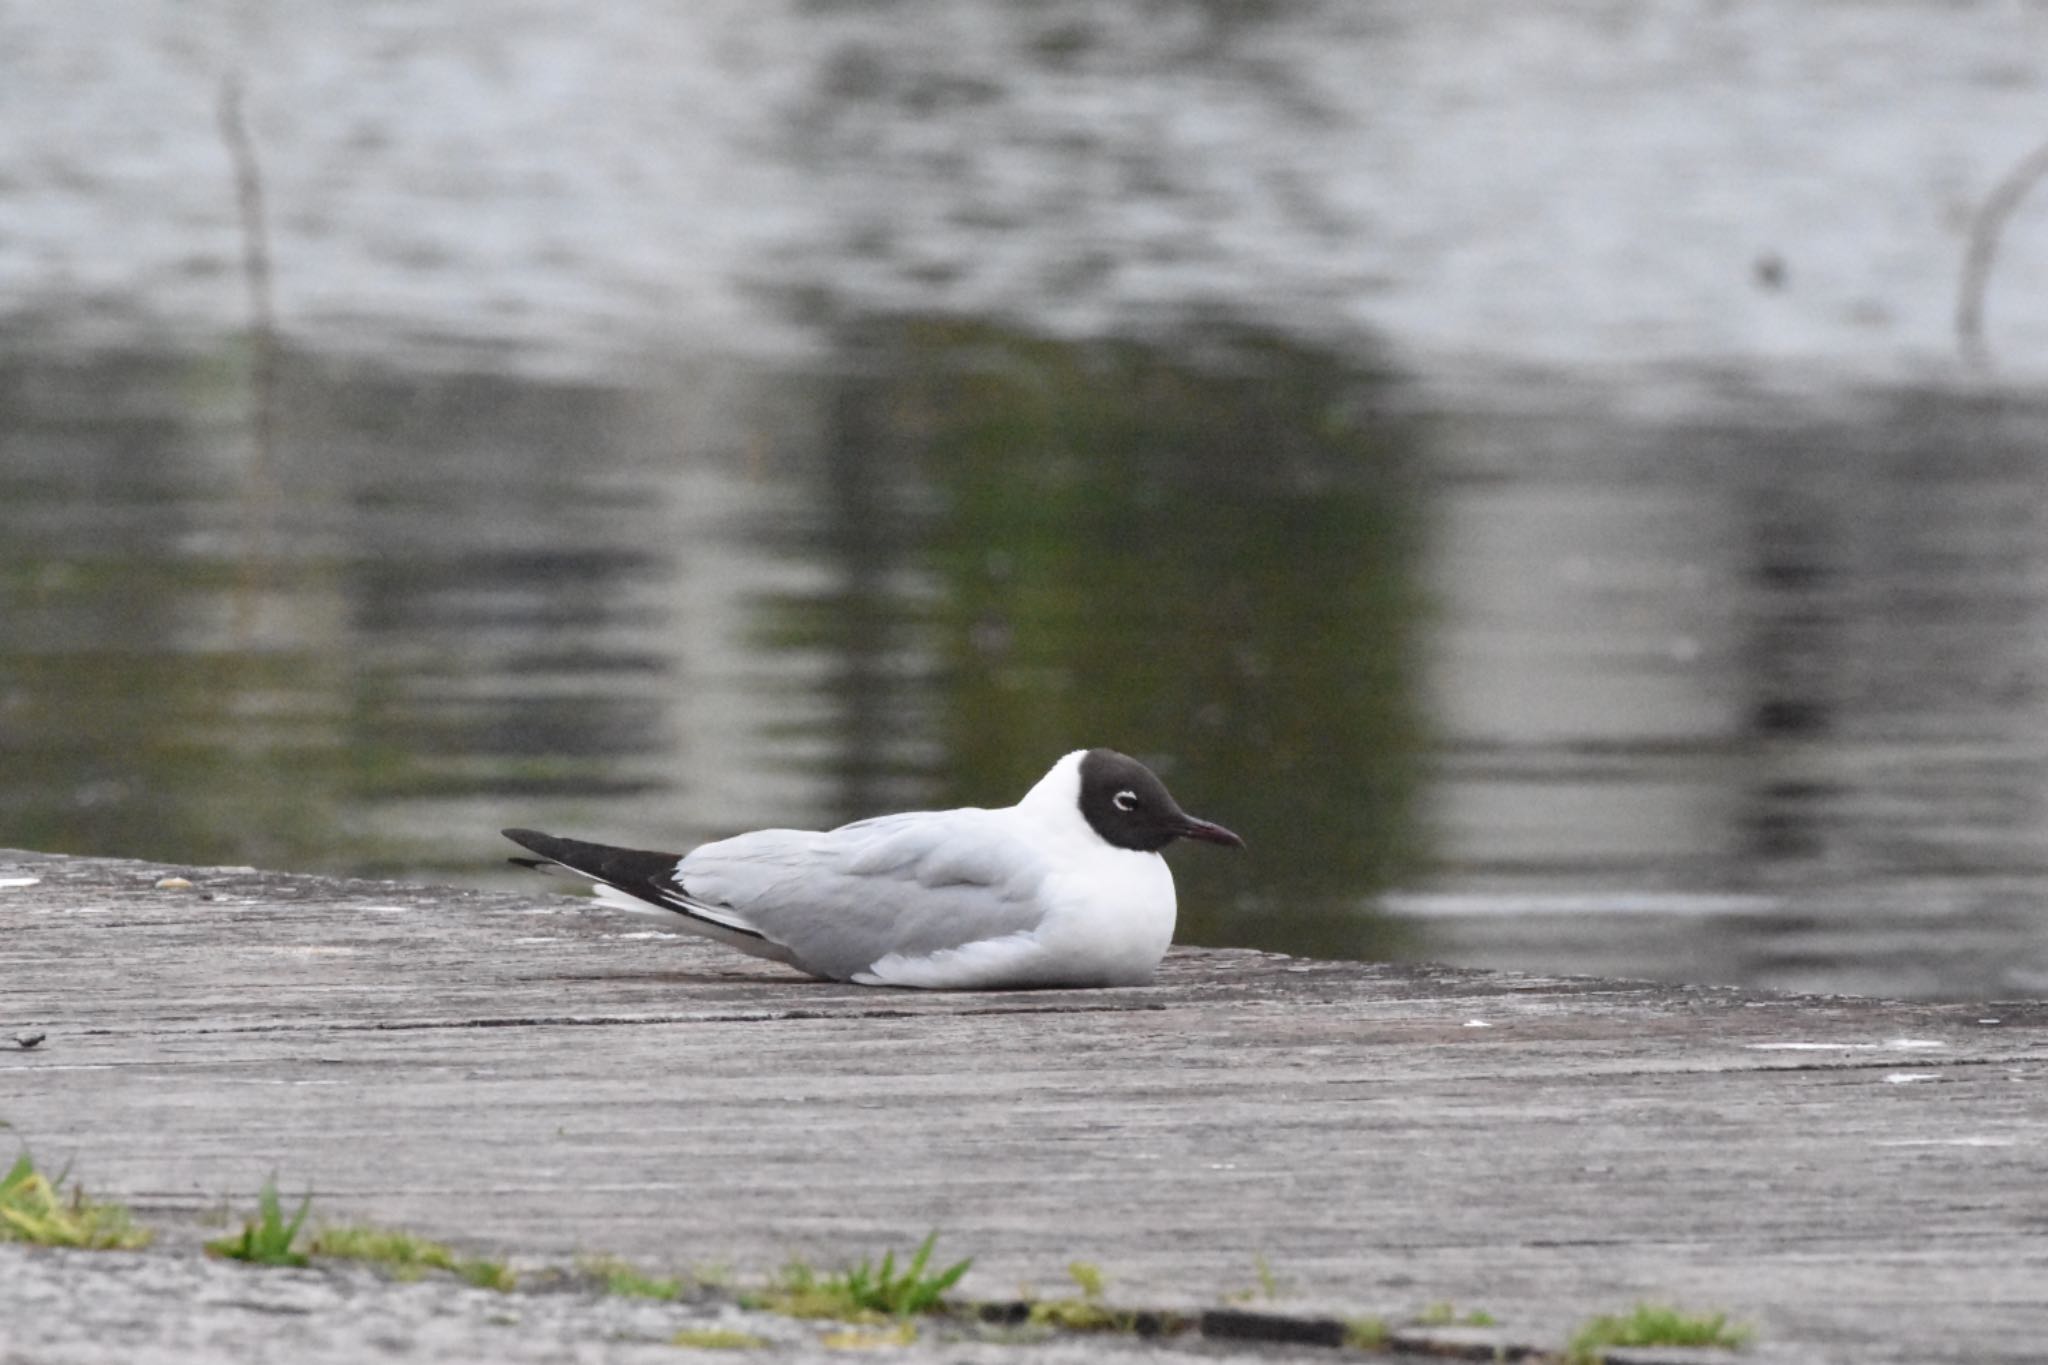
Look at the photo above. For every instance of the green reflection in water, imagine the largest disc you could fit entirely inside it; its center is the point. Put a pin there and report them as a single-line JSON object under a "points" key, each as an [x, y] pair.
{"points": [[121, 732], [402, 635], [134, 742], [1205, 556]]}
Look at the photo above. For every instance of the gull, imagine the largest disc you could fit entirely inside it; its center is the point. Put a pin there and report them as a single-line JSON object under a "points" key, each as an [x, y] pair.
{"points": [[1065, 888]]}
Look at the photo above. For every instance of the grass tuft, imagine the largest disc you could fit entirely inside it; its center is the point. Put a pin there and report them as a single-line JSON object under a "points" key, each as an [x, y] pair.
{"points": [[34, 1209], [1445, 1314], [1085, 1314], [267, 1238], [495, 1275], [1088, 1278], [867, 1293], [716, 1339], [800, 1292], [625, 1279], [911, 1292], [1366, 1334], [1079, 1315], [405, 1255], [1650, 1324]]}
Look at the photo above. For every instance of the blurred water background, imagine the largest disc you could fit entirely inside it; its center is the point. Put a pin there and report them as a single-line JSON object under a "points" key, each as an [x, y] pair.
{"points": [[1513, 465]]}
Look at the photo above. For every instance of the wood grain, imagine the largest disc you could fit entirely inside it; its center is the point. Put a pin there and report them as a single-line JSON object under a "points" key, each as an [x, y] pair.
{"points": [[1862, 1180]]}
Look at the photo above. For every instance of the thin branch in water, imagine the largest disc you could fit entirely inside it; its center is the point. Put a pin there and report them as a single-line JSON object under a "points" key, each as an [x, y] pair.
{"points": [[260, 495], [1985, 228]]}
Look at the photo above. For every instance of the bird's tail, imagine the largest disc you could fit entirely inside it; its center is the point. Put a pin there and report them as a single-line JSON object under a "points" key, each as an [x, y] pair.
{"points": [[637, 872], [625, 876]]}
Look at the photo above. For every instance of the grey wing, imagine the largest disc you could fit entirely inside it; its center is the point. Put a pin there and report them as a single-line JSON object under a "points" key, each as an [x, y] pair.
{"points": [[842, 900]]}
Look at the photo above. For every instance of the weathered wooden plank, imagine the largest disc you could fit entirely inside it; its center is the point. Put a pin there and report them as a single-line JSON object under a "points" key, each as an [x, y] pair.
{"points": [[1861, 1179]]}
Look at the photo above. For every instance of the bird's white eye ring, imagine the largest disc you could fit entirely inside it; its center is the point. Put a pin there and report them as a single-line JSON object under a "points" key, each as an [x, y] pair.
{"points": [[1125, 800]]}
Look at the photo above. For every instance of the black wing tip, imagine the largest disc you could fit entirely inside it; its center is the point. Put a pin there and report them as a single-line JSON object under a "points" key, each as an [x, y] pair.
{"points": [[638, 872], [548, 846], [624, 868]]}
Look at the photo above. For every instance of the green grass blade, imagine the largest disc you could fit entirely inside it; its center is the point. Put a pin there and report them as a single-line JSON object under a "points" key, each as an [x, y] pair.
{"points": [[268, 1214], [267, 1238], [922, 1255], [298, 1220]]}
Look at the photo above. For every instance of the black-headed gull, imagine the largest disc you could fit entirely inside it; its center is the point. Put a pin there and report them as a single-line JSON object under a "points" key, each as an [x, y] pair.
{"points": [[1065, 888]]}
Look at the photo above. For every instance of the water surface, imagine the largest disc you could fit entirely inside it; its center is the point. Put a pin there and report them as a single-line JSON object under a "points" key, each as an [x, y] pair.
{"points": [[1754, 701]]}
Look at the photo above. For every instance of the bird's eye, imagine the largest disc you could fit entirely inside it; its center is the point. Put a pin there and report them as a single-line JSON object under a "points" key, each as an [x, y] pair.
{"points": [[1125, 800]]}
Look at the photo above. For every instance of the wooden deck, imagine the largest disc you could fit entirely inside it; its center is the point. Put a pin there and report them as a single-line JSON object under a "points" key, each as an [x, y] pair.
{"points": [[1864, 1181]]}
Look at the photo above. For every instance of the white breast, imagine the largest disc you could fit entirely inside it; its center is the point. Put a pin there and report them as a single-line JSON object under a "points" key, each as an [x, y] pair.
{"points": [[1111, 917]]}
